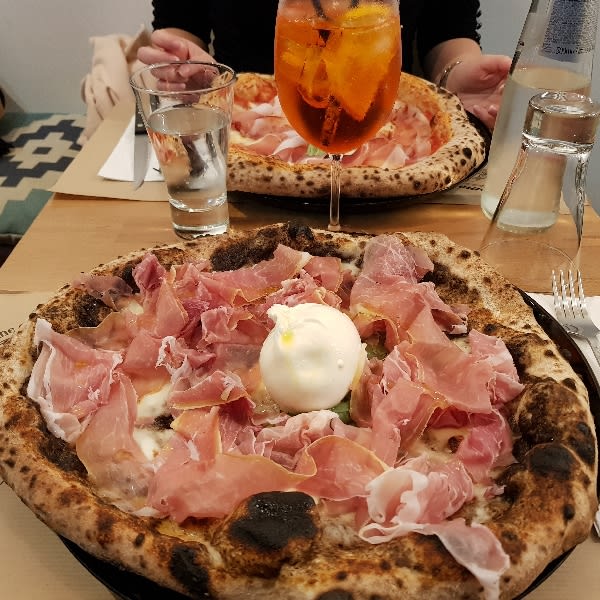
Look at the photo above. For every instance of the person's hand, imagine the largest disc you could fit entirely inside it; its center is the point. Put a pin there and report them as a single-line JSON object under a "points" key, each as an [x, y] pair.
{"points": [[479, 82], [168, 46]]}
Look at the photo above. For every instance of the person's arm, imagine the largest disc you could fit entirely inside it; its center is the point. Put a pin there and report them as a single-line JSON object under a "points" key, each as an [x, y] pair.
{"points": [[441, 60], [476, 78], [451, 56]]}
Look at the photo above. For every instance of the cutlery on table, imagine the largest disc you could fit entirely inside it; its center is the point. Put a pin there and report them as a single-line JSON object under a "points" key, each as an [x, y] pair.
{"points": [[570, 307], [141, 150]]}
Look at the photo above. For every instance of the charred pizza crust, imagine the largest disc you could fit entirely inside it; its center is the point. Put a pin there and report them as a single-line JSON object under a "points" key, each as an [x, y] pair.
{"points": [[462, 149], [280, 545]]}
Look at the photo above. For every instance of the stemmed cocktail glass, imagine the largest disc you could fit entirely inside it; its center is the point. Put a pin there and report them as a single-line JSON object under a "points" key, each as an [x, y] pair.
{"points": [[337, 68]]}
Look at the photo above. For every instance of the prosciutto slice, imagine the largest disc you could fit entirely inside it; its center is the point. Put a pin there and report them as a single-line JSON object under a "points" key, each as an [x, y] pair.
{"points": [[191, 467], [69, 380], [477, 549], [250, 283], [388, 290], [113, 459]]}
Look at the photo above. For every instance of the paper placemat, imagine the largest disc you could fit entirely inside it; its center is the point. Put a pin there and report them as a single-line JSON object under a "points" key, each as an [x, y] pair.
{"points": [[81, 177], [119, 164]]}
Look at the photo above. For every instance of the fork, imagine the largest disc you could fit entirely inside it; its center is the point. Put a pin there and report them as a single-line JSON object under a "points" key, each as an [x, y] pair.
{"points": [[570, 306]]}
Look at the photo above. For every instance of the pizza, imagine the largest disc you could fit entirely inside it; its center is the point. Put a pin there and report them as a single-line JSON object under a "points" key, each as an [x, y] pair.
{"points": [[293, 413], [428, 145]]}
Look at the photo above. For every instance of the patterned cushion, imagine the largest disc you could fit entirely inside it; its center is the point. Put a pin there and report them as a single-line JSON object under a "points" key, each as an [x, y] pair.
{"points": [[43, 145]]}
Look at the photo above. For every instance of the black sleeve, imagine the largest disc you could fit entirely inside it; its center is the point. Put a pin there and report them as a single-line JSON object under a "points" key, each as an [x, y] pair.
{"points": [[443, 20], [189, 16]]}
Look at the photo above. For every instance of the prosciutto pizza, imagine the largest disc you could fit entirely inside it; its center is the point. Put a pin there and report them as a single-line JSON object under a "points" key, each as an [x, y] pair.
{"points": [[428, 145], [288, 413]]}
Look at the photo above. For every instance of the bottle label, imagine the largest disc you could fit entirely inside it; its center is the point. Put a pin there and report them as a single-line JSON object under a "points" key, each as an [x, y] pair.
{"points": [[571, 30]]}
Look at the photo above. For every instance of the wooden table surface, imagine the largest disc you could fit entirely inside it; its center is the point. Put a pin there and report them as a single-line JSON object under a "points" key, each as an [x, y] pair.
{"points": [[75, 233]]}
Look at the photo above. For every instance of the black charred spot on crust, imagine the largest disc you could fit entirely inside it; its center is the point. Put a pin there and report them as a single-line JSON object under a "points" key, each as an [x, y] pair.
{"points": [[59, 453], [385, 565], [549, 412], [90, 312], [105, 533], [127, 276], [185, 568], [9, 462], [581, 439], [468, 152], [236, 253], [513, 488], [267, 531], [139, 540], [70, 497], [451, 288], [77, 309], [336, 595], [341, 575], [551, 461], [512, 542], [170, 256], [274, 519], [568, 512]]}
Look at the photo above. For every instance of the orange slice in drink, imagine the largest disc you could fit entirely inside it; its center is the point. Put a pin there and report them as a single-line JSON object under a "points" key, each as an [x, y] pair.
{"points": [[358, 55], [313, 84]]}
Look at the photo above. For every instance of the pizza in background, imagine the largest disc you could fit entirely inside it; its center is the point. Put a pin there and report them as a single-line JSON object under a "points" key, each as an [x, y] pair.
{"points": [[153, 412], [428, 145]]}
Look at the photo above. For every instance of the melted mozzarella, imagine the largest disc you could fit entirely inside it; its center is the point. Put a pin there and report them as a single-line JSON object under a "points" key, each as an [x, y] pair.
{"points": [[154, 404], [311, 357], [151, 441], [134, 307]]}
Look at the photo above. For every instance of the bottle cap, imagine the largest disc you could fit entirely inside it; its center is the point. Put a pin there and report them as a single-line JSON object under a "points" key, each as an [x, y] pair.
{"points": [[562, 116]]}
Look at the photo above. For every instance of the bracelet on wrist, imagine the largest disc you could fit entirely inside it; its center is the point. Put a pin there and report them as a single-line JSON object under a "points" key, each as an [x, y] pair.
{"points": [[443, 80]]}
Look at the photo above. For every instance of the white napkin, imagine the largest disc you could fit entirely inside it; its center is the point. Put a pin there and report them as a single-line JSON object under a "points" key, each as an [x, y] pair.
{"points": [[119, 165], [593, 304]]}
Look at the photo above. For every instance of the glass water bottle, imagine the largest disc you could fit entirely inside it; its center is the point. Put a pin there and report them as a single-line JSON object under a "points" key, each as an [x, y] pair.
{"points": [[538, 223], [555, 52]]}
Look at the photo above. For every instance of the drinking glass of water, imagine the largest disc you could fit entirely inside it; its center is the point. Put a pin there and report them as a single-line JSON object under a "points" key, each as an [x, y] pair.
{"points": [[187, 108]]}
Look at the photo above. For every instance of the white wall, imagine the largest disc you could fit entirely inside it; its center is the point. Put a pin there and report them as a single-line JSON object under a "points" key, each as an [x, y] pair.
{"points": [[45, 50]]}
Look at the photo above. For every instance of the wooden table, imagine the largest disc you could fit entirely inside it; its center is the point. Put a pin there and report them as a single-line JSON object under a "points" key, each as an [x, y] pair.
{"points": [[74, 234]]}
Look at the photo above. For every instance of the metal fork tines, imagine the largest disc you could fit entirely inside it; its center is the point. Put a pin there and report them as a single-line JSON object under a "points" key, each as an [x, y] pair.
{"points": [[570, 306]]}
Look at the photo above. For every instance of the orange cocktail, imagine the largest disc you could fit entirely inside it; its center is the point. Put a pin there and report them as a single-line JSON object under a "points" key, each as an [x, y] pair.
{"points": [[337, 72]]}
